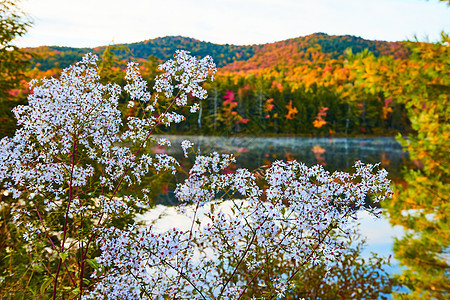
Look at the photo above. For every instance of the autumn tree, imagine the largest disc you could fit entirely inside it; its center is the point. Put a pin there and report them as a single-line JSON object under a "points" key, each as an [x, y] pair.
{"points": [[13, 60], [421, 205]]}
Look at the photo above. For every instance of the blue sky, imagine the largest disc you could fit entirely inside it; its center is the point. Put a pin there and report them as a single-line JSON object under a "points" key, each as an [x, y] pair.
{"points": [[90, 23]]}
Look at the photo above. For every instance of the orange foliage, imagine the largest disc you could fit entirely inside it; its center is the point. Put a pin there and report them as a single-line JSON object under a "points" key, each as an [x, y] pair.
{"points": [[269, 106], [302, 63], [277, 85], [318, 154], [319, 121], [386, 108], [292, 111]]}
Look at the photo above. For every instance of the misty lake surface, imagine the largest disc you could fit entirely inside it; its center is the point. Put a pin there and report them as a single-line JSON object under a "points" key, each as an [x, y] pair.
{"points": [[333, 153]]}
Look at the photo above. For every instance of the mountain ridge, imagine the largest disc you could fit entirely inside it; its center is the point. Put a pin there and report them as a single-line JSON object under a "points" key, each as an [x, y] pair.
{"points": [[224, 54]]}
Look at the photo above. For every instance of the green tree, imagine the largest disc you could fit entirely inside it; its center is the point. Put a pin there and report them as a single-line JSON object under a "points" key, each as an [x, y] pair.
{"points": [[425, 250], [15, 261], [421, 205], [13, 61]]}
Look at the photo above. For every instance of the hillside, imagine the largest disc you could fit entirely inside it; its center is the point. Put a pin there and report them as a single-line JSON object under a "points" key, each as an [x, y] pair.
{"points": [[49, 57], [318, 47], [163, 48], [232, 57], [300, 86]]}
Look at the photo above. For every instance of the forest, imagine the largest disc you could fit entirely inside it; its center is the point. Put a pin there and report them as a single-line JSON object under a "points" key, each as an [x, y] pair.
{"points": [[303, 86], [72, 180]]}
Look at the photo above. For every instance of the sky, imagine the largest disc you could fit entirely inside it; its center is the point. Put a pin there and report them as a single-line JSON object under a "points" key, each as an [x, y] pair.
{"points": [[378, 232], [91, 23]]}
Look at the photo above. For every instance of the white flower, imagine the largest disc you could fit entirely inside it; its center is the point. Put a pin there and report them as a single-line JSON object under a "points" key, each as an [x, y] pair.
{"points": [[185, 145], [71, 146], [195, 107]]}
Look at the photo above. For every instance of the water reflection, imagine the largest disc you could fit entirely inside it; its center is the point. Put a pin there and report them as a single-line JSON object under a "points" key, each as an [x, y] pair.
{"points": [[334, 153]]}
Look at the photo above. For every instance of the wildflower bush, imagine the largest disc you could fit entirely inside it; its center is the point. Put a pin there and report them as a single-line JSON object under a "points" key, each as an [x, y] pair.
{"points": [[75, 166]]}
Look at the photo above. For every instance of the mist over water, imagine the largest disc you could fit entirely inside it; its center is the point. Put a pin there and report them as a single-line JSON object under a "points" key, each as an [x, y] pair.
{"points": [[333, 153]]}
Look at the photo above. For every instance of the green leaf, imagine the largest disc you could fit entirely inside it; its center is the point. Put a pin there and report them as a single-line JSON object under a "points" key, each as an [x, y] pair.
{"points": [[76, 291], [45, 285], [63, 256], [93, 263]]}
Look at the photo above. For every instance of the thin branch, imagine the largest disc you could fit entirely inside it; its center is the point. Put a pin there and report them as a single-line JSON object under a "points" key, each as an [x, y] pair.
{"points": [[54, 246], [179, 272], [239, 263], [158, 122], [66, 218]]}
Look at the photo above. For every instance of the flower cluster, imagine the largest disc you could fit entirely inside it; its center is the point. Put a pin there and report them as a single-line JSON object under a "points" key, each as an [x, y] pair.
{"points": [[73, 123], [72, 154], [186, 145], [188, 72], [292, 216]]}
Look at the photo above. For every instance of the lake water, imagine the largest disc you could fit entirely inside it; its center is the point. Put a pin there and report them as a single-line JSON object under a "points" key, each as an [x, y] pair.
{"points": [[332, 153]]}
